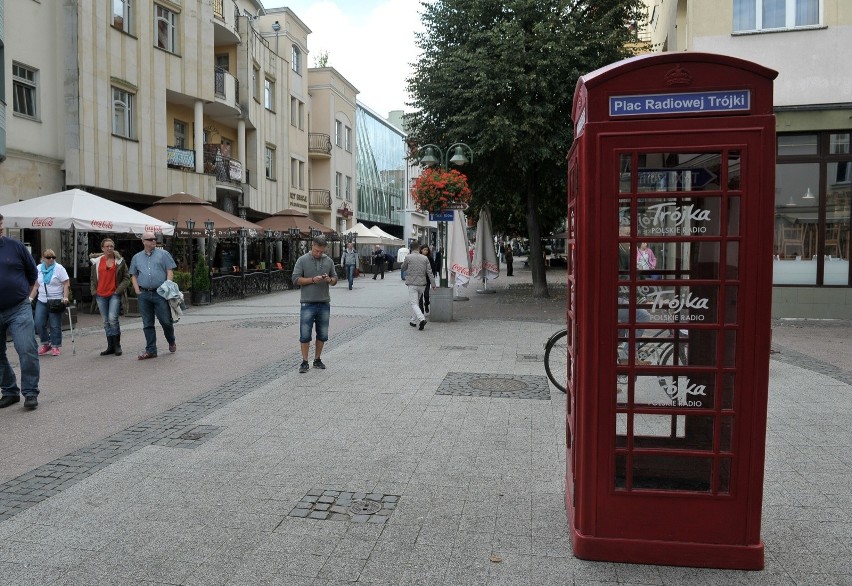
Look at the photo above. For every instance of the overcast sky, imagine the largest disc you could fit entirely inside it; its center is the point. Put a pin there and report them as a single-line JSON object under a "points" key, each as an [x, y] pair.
{"points": [[370, 42]]}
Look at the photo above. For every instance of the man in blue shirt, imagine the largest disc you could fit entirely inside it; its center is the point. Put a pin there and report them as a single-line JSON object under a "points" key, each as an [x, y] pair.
{"points": [[148, 270], [17, 276]]}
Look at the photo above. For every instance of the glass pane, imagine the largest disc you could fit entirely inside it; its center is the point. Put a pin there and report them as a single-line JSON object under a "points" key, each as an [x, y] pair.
{"points": [[667, 472], [723, 480], [731, 306], [796, 215], [807, 12], [681, 260], [726, 434], [734, 163], [837, 218], [694, 391], [744, 15], [774, 13], [729, 349], [676, 303], [797, 144], [838, 144], [728, 381], [733, 216], [679, 171], [624, 168], [732, 267], [679, 216]]}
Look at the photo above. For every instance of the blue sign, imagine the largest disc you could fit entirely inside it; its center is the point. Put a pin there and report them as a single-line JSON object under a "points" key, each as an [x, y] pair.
{"points": [[442, 216], [687, 103]]}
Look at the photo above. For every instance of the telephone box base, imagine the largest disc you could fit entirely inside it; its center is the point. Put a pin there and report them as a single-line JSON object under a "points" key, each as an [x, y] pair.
{"points": [[668, 553]]}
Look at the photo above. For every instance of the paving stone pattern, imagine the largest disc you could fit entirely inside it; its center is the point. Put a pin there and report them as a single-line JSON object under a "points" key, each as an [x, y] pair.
{"points": [[485, 384], [174, 427], [813, 364], [340, 505]]}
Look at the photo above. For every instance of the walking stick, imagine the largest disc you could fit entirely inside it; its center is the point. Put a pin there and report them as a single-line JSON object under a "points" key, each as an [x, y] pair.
{"points": [[71, 326]]}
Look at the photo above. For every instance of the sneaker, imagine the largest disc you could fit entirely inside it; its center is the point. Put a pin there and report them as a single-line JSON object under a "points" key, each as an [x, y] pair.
{"points": [[30, 403], [304, 367], [45, 348], [422, 324], [9, 400], [318, 364], [412, 324], [56, 351]]}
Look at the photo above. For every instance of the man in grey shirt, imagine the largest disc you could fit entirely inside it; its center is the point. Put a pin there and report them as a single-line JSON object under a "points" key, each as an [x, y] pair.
{"points": [[314, 272], [148, 270]]}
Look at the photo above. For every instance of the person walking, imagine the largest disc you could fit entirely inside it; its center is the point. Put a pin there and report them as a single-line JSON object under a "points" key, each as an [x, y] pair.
{"points": [[18, 274], [378, 262], [350, 262], [418, 278], [51, 290], [108, 284], [400, 258], [149, 269], [314, 272], [424, 299], [507, 254]]}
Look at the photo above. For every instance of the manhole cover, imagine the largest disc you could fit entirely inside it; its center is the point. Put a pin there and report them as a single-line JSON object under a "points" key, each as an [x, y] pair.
{"points": [[192, 435], [498, 385], [365, 507]]}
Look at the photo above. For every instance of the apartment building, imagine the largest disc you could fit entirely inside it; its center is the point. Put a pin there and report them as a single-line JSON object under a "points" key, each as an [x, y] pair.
{"points": [[807, 42], [137, 100]]}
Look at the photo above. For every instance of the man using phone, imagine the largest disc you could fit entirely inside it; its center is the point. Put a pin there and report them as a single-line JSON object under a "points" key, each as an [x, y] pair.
{"points": [[314, 272]]}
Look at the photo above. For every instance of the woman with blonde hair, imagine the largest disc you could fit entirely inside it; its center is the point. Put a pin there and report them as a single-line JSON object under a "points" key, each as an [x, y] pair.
{"points": [[51, 289], [108, 284]]}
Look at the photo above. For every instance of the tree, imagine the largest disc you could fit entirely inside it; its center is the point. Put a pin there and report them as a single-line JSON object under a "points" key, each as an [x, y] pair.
{"points": [[500, 76]]}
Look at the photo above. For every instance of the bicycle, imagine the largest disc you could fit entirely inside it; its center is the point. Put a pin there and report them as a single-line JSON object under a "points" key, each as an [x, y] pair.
{"points": [[556, 359]]}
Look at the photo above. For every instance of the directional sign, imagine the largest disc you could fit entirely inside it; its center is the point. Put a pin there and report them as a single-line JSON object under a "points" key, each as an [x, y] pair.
{"points": [[675, 179], [456, 206], [442, 216]]}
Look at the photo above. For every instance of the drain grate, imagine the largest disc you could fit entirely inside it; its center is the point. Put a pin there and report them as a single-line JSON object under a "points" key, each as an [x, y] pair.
{"points": [[263, 325], [190, 436], [463, 348], [529, 358], [341, 505], [507, 386]]}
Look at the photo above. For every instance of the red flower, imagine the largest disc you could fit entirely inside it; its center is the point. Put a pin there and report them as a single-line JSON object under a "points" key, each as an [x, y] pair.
{"points": [[436, 188]]}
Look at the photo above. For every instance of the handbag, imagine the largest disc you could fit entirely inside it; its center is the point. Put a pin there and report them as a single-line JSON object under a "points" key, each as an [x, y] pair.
{"points": [[55, 306]]}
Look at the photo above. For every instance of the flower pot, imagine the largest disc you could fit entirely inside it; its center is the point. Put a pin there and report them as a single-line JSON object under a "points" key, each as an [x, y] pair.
{"points": [[201, 297]]}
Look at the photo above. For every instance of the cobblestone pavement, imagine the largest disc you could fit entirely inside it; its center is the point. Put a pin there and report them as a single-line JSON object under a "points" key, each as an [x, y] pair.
{"points": [[413, 486]]}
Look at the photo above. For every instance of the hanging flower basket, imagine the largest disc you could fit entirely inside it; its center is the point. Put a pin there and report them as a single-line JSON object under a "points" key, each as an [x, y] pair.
{"points": [[436, 190]]}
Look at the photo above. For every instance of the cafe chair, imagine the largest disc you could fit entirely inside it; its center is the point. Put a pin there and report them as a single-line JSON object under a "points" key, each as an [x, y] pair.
{"points": [[793, 238], [832, 240]]}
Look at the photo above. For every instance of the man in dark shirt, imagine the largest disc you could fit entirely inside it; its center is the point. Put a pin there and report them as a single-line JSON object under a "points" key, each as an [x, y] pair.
{"points": [[378, 262], [17, 276]]}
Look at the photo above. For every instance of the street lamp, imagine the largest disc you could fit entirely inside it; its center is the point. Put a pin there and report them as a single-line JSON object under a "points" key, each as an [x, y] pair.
{"points": [[210, 233], [459, 158], [190, 224]]}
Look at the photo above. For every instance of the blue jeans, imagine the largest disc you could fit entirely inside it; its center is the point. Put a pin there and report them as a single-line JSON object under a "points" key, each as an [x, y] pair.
{"points": [[18, 321], [152, 304], [350, 274], [310, 314], [109, 308], [48, 326]]}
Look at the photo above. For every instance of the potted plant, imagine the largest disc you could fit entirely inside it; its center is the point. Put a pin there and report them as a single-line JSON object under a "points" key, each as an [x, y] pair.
{"points": [[201, 283], [437, 189]]}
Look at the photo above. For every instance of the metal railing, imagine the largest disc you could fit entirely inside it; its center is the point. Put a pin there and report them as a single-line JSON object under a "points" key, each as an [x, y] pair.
{"points": [[219, 85], [320, 198], [319, 143], [178, 158], [225, 169]]}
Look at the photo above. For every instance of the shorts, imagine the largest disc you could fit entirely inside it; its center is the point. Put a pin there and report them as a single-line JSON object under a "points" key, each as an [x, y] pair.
{"points": [[310, 314]]}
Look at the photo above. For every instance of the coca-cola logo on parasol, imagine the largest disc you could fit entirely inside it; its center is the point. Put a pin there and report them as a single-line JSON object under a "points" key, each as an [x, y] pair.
{"points": [[102, 224], [153, 229], [42, 222]]}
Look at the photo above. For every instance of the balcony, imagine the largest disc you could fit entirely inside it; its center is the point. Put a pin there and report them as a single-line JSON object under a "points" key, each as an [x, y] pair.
{"points": [[226, 87], [225, 13], [224, 168], [320, 199], [319, 145], [178, 158]]}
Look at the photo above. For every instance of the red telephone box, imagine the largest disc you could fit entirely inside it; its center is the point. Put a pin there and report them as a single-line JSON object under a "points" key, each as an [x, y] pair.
{"points": [[669, 349]]}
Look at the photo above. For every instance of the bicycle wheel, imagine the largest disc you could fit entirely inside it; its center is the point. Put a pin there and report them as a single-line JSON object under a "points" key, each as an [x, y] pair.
{"points": [[556, 359]]}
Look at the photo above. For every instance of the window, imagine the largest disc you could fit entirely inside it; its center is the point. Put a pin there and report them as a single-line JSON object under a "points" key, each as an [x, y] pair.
{"points": [[296, 60], [301, 175], [122, 113], [338, 180], [255, 82], [24, 85], [269, 94], [338, 133], [348, 188], [294, 173], [269, 161], [294, 111], [755, 15], [347, 139], [121, 15], [165, 29], [180, 134], [301, 116]]}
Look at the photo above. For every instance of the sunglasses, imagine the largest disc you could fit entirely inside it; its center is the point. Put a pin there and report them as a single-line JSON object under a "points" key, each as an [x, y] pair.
{"points": [[50, 257], [149, 239]]}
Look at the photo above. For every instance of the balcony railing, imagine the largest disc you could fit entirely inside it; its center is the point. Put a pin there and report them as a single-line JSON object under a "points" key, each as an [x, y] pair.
{"points": [[226, 169], [319, 144], [320, 199], [178, 158], [220, 84]]}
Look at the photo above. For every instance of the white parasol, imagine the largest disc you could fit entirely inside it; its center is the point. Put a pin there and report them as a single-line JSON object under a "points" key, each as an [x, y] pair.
{"points": [[484, 265], [457, 253]]}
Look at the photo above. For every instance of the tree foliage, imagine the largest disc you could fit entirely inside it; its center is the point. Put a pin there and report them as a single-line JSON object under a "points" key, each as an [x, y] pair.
{"points": [[500, 77]]}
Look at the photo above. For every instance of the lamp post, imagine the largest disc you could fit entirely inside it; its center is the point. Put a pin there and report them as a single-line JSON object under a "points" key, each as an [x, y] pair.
{"points": [[429, 159], [210, 233], [294, 236], [190, 224]]}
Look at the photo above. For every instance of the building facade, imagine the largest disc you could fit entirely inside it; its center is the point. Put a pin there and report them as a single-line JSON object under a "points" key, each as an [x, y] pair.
{"points": [[807, 42], [134, 101]]}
